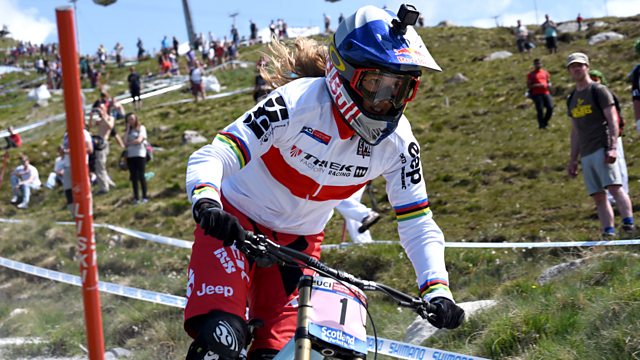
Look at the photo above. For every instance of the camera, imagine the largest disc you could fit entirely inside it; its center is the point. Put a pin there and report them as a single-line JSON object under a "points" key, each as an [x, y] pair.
{"points": [[407, 15]]}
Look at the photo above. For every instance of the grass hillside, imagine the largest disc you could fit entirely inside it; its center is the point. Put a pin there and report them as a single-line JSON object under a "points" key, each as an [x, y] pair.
{"points": [[491, 175]]}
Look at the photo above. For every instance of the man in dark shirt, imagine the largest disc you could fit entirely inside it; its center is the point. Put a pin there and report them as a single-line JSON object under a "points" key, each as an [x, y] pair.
{"points": [[594, 136], [134, 88]]}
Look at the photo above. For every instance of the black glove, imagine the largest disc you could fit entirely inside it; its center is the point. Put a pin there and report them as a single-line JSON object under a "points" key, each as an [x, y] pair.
{"points": [[217, 222], [447, 315]]}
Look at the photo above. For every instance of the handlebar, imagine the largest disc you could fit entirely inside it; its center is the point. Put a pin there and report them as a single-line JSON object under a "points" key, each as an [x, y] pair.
{"points": [[265, 251]]}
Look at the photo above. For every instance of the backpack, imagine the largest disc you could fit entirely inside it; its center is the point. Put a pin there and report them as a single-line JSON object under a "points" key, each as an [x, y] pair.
{"points": [[594, 96]]}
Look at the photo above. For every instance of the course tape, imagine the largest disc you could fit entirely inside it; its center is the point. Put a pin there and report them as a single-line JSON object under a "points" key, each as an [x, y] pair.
{"points": [[111, 288], [385, 346], [478, 245], [402, 350]]}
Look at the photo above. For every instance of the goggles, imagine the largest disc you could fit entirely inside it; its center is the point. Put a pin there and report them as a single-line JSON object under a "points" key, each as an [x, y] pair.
{"points": [[376, 85]]}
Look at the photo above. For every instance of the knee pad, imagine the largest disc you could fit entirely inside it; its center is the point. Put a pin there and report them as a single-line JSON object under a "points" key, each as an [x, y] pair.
{"points": [[221, 336]]}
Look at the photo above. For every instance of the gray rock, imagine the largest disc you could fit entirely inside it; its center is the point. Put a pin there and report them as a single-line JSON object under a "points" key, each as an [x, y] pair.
{"points": [[193, 137], [117, 353], [498, 55], [445, 23], [570, 26], [457, 79], [420, 329], [605, 36]]}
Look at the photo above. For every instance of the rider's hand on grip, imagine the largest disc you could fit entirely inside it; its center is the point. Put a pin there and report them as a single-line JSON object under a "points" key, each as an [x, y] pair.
{"points": [[447, 314], [217, 222]]}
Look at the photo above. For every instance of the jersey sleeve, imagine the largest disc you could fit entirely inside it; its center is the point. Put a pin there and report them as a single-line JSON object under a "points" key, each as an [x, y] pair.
{"points": [[605, 97], [420, 236], [248, 137]]}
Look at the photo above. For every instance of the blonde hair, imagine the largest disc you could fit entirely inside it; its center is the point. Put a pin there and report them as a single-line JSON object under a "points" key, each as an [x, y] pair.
{"points": [[302, 58]]}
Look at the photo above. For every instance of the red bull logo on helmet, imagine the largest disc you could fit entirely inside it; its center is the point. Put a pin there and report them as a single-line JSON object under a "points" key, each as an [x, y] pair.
{"points": [[411, 56]]}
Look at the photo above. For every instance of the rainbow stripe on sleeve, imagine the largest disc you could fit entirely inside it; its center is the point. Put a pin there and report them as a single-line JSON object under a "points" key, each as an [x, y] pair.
{"points": [[204, 188], [433, 285], [236, 145], [413, 210]]}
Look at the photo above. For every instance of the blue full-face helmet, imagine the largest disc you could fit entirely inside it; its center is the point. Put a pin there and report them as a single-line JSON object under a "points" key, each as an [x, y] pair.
{"points": [[374, 68]]}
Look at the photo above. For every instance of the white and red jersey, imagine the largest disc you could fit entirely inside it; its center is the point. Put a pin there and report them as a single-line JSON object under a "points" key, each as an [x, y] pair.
{"points": [[290, 160]]}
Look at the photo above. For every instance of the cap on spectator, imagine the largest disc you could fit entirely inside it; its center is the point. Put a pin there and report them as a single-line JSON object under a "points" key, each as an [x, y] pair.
{"points": [[577, 58]]}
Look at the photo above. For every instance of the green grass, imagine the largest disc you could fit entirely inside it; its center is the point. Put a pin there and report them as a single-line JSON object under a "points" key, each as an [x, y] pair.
{"points": [[491, 174]]}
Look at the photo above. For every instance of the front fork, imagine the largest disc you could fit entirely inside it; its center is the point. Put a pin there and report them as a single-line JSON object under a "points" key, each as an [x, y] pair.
{"points": [[303, 341]]}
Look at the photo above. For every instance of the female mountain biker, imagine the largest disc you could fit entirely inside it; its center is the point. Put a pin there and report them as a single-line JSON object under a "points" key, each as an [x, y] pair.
{"points": [[281, 168]]}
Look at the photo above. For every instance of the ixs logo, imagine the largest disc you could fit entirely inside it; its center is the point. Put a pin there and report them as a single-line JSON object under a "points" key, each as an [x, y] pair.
{"points": [[316, 135], [191, 282], [265, 118], [413, 173], [232, 265], [330, 167]]}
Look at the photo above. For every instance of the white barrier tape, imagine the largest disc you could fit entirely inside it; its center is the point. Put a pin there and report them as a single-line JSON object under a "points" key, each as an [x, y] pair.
{"points": [[388, 347], [210, 97], [406, 351], [478, 245], [111, 288], [133, 233]]}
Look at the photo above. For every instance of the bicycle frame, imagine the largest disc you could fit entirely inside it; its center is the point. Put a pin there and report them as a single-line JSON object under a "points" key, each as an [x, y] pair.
{"points": [[301, 346]]}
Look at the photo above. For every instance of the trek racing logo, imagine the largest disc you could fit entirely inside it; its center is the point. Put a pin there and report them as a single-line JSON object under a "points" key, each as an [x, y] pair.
{"points": [[191, 282], [413, 173], [264, 119], [325, 166]]}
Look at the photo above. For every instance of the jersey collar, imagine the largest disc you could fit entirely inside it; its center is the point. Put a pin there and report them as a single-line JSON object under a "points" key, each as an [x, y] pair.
{"points": [[344, 130]]}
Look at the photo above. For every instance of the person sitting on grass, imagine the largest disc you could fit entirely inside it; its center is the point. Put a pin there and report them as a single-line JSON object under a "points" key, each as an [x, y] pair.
{"points": [[24, 178]]}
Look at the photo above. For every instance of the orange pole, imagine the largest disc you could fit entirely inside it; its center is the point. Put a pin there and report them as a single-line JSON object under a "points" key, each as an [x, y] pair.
{"points": [[82, 205]]}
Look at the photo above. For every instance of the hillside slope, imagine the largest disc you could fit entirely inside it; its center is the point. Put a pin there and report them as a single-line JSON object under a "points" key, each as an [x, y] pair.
{"points": [[491, 175]]}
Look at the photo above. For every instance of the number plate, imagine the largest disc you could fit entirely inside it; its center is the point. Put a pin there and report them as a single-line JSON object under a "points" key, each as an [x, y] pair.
{"points": [[338, 314]]}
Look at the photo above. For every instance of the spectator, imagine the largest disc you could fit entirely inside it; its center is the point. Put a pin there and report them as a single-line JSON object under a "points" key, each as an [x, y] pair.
{"points": [[272, 28], [55, 177], [358, 217], [340, 19], [327, 23], [141, 50], [598, 77], [196, 78], [176, 44], [14, 140], [538, 83], [102, 54], [594, 138], [258, 174], [135, 85], [635, 87], [105, 124], [579, 21], [550, 30], [164, 45], [114, 108], [24, 179], [118, 49], [253, 30], [421, 20], [135, 141], [522, 39], [261, 88], [66, 175]]}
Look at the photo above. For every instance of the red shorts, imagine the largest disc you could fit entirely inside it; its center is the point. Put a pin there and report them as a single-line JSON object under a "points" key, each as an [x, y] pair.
{"points": [[222, 278]]}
